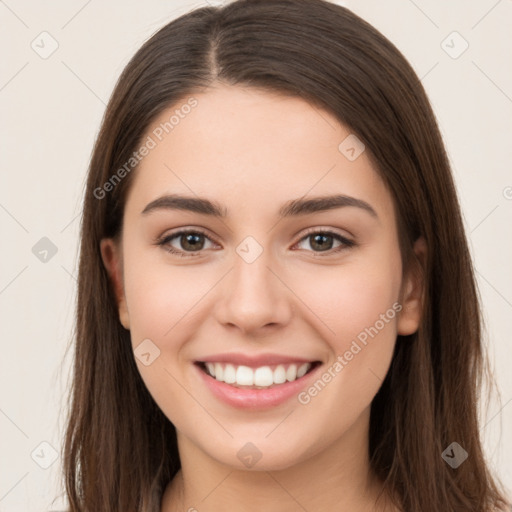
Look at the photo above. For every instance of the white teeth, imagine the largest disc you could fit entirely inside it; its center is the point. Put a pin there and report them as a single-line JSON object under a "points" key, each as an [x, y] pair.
{"points": [[291, 373], [244, 376], [260, 377], [229, 374], [219, 372], [263, 376], [211, 368], [279, 375], [302, 370]]}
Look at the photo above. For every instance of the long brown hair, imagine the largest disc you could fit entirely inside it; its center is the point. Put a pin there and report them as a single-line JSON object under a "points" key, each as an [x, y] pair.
{"points": [[120, 449]]}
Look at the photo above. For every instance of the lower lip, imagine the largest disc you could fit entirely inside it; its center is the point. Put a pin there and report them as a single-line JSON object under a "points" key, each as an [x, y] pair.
{"points": [[245, 398]]}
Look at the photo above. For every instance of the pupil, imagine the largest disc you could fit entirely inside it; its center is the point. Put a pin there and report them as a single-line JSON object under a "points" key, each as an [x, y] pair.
{"points": [[322, 246], [191, 239]]}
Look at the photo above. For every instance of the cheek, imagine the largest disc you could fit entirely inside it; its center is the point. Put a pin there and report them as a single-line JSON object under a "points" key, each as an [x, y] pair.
{"points": [[360, 304], [159, 293], [161, 301], [350, 297]]}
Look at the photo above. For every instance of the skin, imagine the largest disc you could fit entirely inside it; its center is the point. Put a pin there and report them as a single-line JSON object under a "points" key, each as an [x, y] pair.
{"points": [[252, 151]]}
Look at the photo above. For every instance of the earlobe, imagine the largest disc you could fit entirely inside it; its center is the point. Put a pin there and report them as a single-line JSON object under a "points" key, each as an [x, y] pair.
{"points": [[413, 291], [112, 260]]}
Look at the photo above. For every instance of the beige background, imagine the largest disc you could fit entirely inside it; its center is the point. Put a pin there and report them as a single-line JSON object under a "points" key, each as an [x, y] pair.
{"points": [[51, 111]]}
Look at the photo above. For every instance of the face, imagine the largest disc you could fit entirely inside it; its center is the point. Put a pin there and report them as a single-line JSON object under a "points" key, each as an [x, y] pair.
{"points": [[227, 312]]}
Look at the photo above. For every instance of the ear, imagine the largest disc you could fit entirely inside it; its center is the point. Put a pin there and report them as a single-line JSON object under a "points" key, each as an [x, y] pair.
{"points": [[412, 293], [111, 255]]}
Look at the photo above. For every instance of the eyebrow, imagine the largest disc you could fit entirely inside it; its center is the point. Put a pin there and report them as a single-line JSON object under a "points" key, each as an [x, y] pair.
{"points": [[291, 208]]}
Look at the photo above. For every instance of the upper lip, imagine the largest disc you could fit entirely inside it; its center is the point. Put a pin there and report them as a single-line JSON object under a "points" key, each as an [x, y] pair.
{"points": [[254, 361]]}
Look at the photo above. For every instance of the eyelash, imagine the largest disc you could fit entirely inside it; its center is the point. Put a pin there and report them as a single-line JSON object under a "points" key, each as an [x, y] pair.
{"points": [[346, 243]]}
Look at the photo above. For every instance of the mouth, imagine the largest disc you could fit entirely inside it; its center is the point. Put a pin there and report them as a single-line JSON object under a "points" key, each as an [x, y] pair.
{"points": [[257, 378]]}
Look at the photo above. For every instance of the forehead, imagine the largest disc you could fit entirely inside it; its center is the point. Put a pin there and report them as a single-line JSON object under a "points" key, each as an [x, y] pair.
{"points": [[250, 147]]}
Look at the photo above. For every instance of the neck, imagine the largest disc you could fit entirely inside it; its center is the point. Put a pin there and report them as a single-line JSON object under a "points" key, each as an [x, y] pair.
{"points": [[338, 478]]}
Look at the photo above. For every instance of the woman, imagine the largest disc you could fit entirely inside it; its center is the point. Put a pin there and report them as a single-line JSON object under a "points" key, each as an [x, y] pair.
{"points": [[276, 302]]}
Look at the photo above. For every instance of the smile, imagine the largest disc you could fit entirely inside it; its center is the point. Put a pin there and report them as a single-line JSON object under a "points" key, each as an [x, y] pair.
{"points": [[262, 377]]}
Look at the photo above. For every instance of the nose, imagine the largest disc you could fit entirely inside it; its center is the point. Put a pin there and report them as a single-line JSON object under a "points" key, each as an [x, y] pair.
{"points": [[253, 296]]}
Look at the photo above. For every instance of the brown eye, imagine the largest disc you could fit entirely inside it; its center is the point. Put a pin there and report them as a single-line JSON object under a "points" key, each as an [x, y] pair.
{"points": [[184, 242], [323, 241], [192, 241]]}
